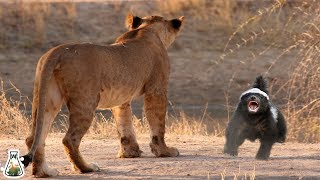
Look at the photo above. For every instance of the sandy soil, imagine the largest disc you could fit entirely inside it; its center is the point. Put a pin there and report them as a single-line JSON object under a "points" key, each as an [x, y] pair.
{"points": [[201, 157]]}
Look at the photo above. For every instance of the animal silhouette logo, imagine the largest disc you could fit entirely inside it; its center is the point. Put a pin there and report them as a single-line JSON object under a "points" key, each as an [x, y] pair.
{"points": [[13, 167]]}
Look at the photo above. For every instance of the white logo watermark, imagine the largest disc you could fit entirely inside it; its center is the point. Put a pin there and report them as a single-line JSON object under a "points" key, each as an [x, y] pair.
{"points": [[13, 167]]}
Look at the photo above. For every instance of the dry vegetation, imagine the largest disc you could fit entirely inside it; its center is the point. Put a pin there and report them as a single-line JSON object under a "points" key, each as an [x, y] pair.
{"points": [[25, 24], [302, 106], [13, 122], [296, 29]]}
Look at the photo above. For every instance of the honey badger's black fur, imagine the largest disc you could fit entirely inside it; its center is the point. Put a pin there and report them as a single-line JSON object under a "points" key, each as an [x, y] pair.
{"points": [[255, 118]]}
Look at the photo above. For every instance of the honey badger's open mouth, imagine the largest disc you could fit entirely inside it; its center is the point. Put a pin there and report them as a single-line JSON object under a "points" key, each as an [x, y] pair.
{"points": [[253, 106]]}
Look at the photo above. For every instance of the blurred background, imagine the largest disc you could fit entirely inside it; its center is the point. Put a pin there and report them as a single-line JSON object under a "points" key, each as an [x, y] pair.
{"points": [[223, 46]]}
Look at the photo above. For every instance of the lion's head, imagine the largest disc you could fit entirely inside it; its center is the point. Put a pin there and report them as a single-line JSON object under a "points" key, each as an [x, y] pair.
{"points": [[167, 30]]}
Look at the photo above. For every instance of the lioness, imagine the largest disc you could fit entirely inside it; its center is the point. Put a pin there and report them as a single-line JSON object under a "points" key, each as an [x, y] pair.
{"points": [[87, 76]]}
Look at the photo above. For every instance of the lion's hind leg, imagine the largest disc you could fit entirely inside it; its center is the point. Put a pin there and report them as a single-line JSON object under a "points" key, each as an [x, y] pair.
{"points": [[53, 104], [129, 147], [81, 116]]}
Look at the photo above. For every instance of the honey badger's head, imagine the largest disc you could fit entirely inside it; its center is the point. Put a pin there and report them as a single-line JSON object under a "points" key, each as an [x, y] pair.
{"points": [[256, 100]]}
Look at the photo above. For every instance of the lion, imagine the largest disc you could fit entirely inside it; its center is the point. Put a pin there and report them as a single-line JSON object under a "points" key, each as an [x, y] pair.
{"points": [[87, 77]]}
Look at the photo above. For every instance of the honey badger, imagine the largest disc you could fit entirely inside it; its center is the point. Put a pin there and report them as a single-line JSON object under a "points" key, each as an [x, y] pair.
{"points": [[255, 118]]}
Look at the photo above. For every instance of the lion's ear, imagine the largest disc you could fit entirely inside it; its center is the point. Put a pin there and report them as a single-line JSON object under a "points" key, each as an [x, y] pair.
{"points": [[133, 22], [176, 23]]}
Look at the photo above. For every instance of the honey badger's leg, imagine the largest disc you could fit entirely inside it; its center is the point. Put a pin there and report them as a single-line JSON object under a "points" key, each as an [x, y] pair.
{"points": [[240, 139], [129, 147], [155, 110], [233, 141], [53, 104], [282, 128], [265, 149], [81, 116], [234, 137]]}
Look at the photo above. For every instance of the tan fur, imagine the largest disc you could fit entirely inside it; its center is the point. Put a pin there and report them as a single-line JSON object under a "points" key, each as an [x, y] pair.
{"points": [[88, 76]]}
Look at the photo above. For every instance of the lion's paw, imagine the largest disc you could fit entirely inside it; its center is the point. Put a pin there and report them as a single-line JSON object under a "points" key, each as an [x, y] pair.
{"points": [[132, 151], [44, 172], [94, 167], [173, 152], [164, 151]]}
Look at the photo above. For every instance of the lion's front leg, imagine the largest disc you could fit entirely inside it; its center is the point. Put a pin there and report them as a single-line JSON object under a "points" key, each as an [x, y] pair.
{"points": [[129, 147], [155, 110]]}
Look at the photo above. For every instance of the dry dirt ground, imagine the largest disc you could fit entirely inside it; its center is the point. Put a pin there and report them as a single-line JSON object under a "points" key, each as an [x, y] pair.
{"points": [[201, 157]]}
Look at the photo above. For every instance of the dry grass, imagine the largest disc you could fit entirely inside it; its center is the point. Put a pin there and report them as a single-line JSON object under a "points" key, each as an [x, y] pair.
{"points": [[299, 33], [303, 88], [296, 29], [175, 125], [287, 25], [217, 13], [239, 175], [24, 23], [13, 122]]}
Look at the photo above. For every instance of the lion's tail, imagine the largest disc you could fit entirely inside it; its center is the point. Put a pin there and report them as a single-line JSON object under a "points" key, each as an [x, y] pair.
{"points": [[49, 63]]}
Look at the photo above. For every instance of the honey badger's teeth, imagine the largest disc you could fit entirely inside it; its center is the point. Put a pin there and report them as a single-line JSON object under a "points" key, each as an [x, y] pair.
{"points": [[253, 106]]}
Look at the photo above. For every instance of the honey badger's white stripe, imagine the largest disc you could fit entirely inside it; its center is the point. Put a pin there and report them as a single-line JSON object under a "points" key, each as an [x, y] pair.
{"points": [[274, 112], [255, 90]]}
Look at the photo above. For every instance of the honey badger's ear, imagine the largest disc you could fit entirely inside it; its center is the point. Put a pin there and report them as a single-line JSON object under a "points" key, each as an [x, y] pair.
{"points": [[261, 83], [176, 23], [133, 22]]}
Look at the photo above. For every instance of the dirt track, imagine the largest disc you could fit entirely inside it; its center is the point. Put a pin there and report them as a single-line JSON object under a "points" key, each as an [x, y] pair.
{"points": [[201, 157]]}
